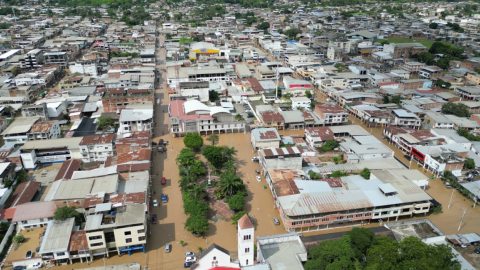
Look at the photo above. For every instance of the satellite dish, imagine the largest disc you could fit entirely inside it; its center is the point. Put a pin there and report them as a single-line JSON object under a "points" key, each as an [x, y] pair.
{"points": [[435, 153]]}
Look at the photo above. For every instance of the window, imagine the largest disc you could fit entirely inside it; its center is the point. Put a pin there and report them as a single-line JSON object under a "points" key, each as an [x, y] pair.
{"points": [[247, 237], [340, 218], [214, 258], [325, 219], [24, 222], [95, 237], [247, 250], [127, 233], [41, 220], [141, 238], [128, 240], [359, 215], [351, 216], [141, 231], [61, 254], [96, 244], [368, 214]]}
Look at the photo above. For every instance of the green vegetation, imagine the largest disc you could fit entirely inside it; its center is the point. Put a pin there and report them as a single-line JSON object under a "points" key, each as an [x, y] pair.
{"points": [[213, 139], [457, 109], [337, 174], [450, 178], [66, 212], [328, 146], [360, 249], [447, 51], [468, 135], [218, 155], [238, 216], [193, 141], [469, 164], [18, 238], [426, 42], [365, 173], [313, 175], [236, 202], [212, 95], [105, 122]]}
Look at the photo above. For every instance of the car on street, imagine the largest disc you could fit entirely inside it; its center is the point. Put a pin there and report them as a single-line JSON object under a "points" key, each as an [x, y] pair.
{"points": [[257, 171], [29, 254], [165, 142], [164, 198], [168, 247], [19, 267], [155, 203], [189, 254], [259, 179], [464, 245], [275, 221], [36, 265], [190, 259], [164, 181], [477, 251], [154, 143], [154, 218], [255, 159], [188, 264], [160, 149], [447, 184]]}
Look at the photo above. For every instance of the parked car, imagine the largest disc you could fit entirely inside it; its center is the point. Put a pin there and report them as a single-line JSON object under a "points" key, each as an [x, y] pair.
{"points": [[188, 264], [160, 149], [155, 203], [164, 198], [275, 221], [154, 143], [259, 179], [189, 254], [464, 245], [165, 142], [29, 254], [164, 181], [477, 251], [19, 267], [36, 265], [190, 259], [257, 171], [168, 247], [154, 218], [447, 184]]}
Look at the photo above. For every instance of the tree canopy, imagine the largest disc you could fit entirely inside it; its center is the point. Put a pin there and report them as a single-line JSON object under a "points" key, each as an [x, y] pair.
{"points": [[193, 141], [197, 224], [213, 139], [105, 122], [457, 109], [337, 174], [66, 212], [329, 146], [365, 173], [212, 95], [360, 249], [236, 203]]}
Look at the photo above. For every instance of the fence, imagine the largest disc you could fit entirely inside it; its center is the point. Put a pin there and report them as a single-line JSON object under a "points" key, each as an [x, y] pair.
{"points": [[5, 241]]}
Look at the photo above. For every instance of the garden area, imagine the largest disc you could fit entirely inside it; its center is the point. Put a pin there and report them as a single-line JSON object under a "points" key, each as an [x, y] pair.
{"points": [[209, 182]]}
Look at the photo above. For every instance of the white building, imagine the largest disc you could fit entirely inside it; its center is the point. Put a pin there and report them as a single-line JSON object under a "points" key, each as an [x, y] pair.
{"points": [[90, 69], [33, 214], [132, 120], [246, 233], [300, 102], [56, 241], [17, 131], [215, 256], [97, 147]]}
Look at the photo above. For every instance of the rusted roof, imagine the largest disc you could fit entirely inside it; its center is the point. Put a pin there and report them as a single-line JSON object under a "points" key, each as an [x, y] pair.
{"points": [[97, 139], [245, 222], [312, 160], [325, 133], [133, 167], [137, 138], [268, 135], [78, 241], [24, 193], [378, 113], [271, 116], [333, 182], [121, 199], [283, 181], [137, 155], [423, 135], [40, 127], [330, 108], [7, 213], [67, 169]]}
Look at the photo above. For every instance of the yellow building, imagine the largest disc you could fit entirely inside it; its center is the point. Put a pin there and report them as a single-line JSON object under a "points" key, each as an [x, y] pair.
{"points": [[202, 48]]}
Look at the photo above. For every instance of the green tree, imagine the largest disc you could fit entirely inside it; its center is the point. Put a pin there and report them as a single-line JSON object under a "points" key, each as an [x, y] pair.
{"points": [[213, 139], [457, 109], [292, 33], [329, 19], [469, 164], [361, 240], [238, 216], [337, 174], [433, 25], [105, 122], [186, 157], [66, 212], [329, 146], [193, 141], [229, 165], [386, 99], [263, 26], [197, 224], [212, 95], [308, 94], [196, 192], [314, 175], [18, 238], [214, 155], [396, 99], [238, 117], [365, 173], [383, 253], [332, 254], [236, 203], [193, 207], [230, 184]]}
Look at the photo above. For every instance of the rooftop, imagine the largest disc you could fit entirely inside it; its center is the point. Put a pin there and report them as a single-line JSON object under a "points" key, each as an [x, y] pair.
{"points": [[266, 134], [57, 236]]}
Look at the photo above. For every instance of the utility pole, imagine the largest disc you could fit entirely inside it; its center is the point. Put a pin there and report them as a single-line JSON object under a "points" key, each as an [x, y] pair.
{"points": [[451, 196], [461, 221]]}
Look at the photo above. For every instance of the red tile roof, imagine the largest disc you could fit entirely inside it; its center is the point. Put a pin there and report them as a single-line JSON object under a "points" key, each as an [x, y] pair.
{"points": [[24, 193], [138, 155], [67, 169]]}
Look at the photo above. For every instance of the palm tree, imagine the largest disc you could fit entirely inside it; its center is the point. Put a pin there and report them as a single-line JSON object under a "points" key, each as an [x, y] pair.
{"points": [[213, 139], [230, 184], [229, 165], [228, 153], [197, 192]]}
